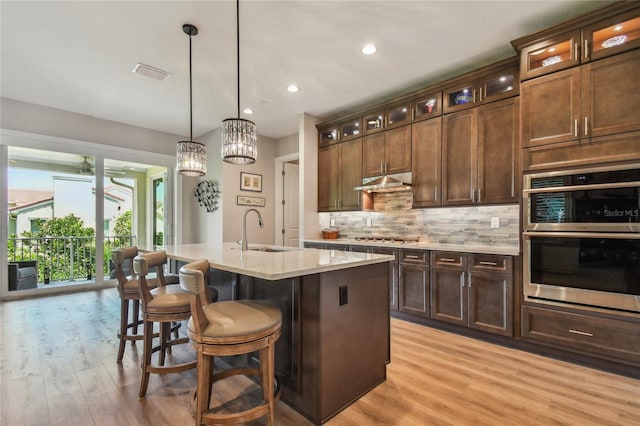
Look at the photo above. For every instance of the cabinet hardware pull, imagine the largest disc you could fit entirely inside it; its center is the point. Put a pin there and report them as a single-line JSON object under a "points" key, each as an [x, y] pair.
{"points": [[435, 193], [575, 127], [582, 333], [586, 48], [474, 96], [447, 259], [479, 194], [480, 95], [462, 280], [469, 278], [575, 48], [489, 263], [586, 125], [381, 167], [412, 256], [413, 114]]}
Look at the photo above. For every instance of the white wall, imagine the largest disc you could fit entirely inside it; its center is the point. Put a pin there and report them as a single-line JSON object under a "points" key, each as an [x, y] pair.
{"points": [[233, 213], [308, 143], [41, 120], [287, 145], [201, 226]]}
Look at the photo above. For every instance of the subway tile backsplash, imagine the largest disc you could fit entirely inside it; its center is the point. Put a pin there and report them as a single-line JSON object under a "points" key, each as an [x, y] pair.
{"points": [[393, 216]]}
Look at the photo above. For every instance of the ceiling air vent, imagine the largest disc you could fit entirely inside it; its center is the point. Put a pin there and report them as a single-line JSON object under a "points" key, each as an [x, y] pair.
{"points": [[149, 71]]}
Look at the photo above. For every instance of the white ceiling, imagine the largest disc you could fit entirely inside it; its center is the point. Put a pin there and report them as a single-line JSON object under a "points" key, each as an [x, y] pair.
{"points": [[78, 55]]}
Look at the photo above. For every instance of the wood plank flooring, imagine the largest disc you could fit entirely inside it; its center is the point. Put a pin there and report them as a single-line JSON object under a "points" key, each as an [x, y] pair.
{"points": [[57, 367]]}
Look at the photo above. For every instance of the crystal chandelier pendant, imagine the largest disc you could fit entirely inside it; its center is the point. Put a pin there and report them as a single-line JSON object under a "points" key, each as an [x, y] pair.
{"points": [[239, 141], [192, 158]]}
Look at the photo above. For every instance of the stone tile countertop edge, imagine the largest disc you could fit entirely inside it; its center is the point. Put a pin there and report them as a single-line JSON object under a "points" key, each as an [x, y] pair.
{"points": [[426, 245]]}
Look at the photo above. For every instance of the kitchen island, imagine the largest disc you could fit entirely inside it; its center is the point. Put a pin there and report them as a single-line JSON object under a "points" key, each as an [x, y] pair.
{"points": [[334, 345]]}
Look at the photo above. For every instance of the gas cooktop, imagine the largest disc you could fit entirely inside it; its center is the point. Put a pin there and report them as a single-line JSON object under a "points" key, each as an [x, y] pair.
{"points": [[385, 239]]}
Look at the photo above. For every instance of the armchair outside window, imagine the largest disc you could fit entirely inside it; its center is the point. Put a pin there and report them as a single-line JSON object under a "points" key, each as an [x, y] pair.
{"points": [[23, 275]]}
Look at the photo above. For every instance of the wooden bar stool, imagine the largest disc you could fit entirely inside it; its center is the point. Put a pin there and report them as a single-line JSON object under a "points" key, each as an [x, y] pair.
{"points": [[165, 305], [225, 329], [129, 295]]}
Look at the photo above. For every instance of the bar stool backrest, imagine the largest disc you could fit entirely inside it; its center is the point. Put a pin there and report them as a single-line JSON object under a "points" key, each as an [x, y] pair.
{"points": [[119, 257], [143, 264]]}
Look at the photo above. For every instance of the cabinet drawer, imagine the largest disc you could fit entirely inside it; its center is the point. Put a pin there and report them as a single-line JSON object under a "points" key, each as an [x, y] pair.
{"points": [[606, 337], [449, 259], [414, 256], [490, 262]]}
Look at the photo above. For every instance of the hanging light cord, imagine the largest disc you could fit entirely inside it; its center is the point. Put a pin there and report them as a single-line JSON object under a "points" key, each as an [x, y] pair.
{"points": [[190, 95], [238, 49]]}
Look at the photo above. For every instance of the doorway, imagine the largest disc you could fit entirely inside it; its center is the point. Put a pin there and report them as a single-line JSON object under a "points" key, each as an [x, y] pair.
{"points": [[287, 214]]}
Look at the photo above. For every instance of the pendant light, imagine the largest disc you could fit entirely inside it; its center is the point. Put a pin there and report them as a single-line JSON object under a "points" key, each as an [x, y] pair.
{"points": [[239, 141], [191, 156]]}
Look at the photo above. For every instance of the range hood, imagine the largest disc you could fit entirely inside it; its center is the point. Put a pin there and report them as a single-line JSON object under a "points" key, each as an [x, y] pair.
{"points": [[386, 183]]}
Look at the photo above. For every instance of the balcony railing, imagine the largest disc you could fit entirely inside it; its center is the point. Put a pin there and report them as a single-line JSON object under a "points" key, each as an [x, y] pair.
{"points": [[65, 258]]}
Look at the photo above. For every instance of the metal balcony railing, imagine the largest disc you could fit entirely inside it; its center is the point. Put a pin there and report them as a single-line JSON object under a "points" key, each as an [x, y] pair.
{"points": [[65, 258]]}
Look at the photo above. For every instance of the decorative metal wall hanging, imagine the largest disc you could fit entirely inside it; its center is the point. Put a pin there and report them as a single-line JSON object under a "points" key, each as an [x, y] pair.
{"points": [[207, 193]]}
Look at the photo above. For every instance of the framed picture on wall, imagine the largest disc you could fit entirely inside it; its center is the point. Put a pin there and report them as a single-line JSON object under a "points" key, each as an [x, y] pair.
{"points": [[250, 182]]}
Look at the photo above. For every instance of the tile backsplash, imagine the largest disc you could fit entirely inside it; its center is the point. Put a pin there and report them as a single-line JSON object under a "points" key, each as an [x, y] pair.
{"points": [[393, 216]]}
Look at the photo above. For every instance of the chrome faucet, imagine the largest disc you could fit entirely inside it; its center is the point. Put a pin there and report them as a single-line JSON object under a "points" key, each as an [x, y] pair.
{"points": [[243, 241]]}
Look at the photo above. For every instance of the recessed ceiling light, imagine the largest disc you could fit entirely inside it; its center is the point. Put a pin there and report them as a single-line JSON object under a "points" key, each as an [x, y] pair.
{"points": [[247, 111], [369, 49], [293, 88]]}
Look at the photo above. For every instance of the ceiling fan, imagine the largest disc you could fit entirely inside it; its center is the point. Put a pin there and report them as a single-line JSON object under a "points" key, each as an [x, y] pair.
{"points": [[86, 168]]}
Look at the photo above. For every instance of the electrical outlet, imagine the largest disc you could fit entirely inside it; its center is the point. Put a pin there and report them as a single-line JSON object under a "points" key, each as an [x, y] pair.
{"points": [[369, 222], [495, 222], [332, 222]]}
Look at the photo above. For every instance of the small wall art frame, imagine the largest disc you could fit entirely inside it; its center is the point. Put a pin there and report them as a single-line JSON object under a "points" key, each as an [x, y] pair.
{"points": [[243, 200], [250, 182]]}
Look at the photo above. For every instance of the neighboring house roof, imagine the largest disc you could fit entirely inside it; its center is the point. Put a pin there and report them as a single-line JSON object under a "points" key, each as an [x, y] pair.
{"points": [[21, 197], [31, 206]]}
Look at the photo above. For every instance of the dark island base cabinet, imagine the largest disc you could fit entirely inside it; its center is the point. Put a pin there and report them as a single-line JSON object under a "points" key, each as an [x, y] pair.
{"points": [[335, 338], [393, 269]]}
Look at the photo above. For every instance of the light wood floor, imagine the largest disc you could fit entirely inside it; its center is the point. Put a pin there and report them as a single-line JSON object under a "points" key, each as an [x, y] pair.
{"points": [[57, 367]]}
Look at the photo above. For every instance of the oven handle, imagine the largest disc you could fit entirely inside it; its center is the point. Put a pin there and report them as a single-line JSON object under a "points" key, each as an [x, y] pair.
{"points": [[613, 185], [616, 235]]}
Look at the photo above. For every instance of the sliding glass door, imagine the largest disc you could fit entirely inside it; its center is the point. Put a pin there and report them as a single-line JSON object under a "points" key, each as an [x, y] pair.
{"points": [[67, 212]]}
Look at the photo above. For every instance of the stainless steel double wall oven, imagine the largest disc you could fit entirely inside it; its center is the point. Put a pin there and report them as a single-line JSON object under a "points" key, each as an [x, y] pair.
{"points": [[581, 237]]}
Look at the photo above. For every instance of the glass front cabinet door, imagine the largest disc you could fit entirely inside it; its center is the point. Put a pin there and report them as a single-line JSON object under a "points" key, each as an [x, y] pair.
{"points": [[612, 36], [553, 54]]}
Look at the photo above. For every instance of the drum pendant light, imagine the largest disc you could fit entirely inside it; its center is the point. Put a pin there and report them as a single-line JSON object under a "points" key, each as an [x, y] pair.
{"points": [[239, 141], [191, 156]]}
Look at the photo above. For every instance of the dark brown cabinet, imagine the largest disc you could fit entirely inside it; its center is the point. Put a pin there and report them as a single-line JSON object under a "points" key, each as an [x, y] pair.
{"points": [[582, 112], [387, 152], [414, 282], [427, 105], [610, 338], [426, 162], [480, 154], [490, 288], [389, 116], [491, 84], [604, 33], [393, 269], [473, 290], [339, 171]]}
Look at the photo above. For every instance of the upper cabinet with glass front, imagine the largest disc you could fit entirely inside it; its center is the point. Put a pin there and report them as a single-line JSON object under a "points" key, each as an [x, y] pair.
{"points": [[344, 130], [427, 105], [593, 36], [387, 117], [612, 36], [489, 84]]}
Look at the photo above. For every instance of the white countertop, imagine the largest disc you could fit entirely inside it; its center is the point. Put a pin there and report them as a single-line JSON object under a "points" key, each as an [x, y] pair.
{"points": [[426, 245], [293, 262]]}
